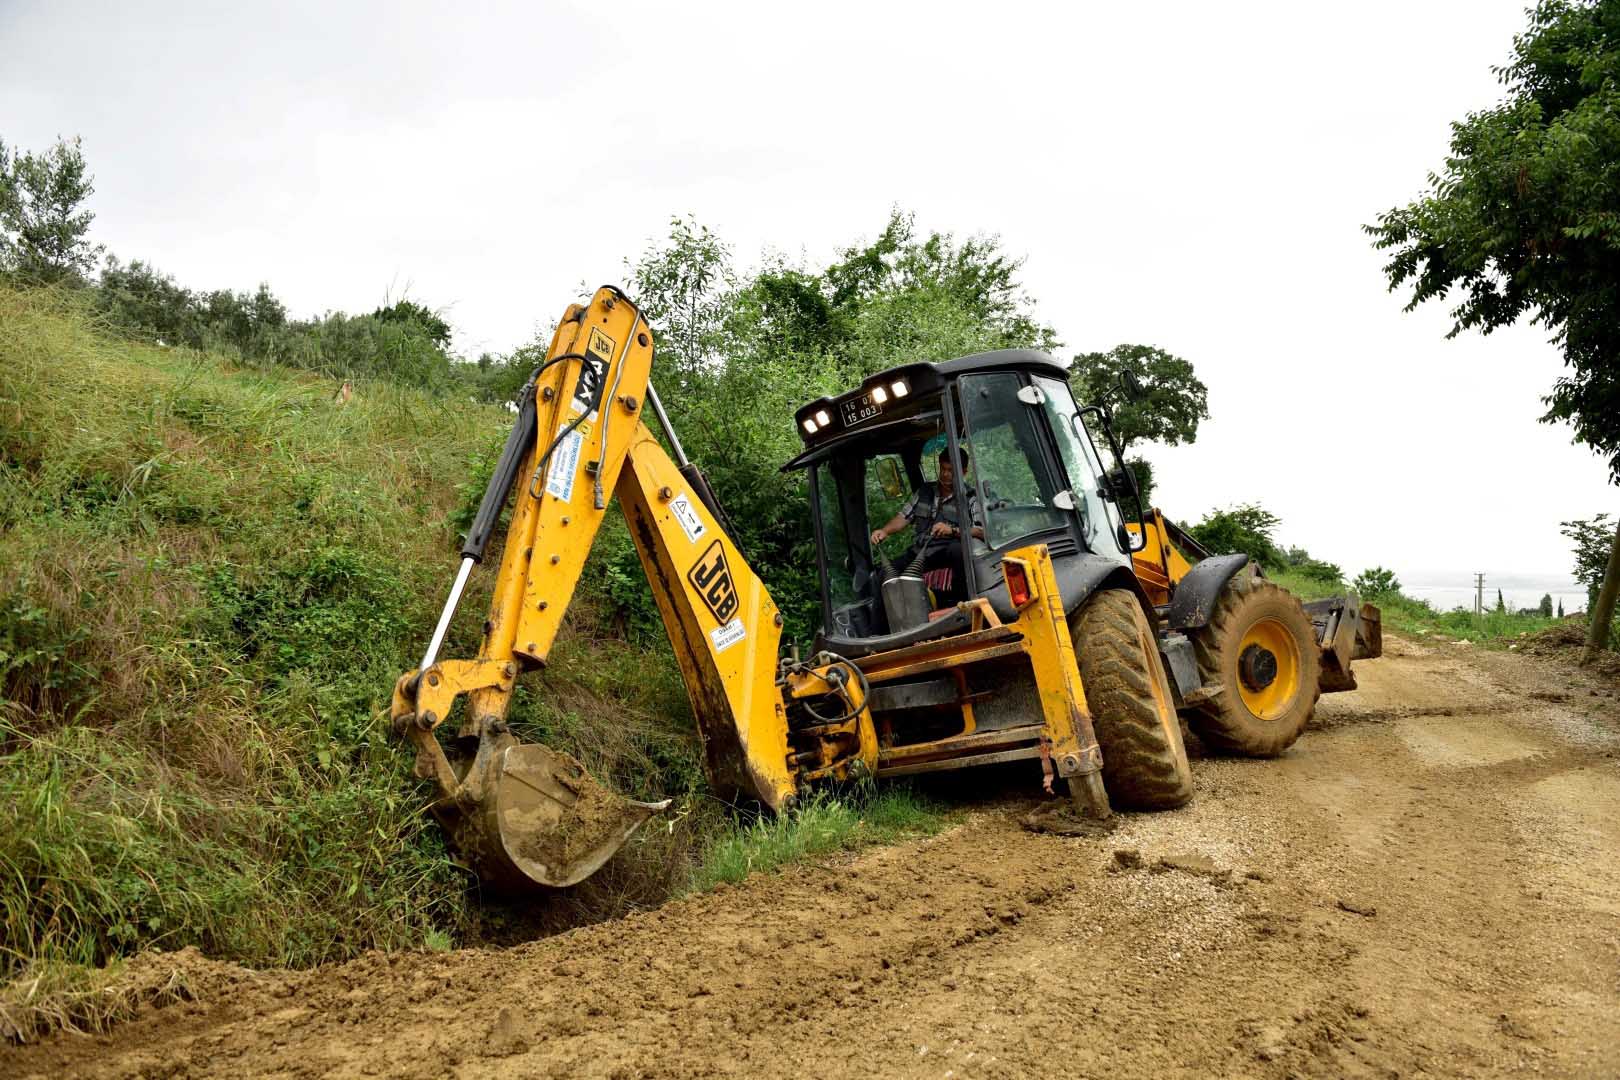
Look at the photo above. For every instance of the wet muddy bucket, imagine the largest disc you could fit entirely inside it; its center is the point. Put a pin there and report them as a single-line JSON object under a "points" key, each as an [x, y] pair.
{"points": [[542, 818]]}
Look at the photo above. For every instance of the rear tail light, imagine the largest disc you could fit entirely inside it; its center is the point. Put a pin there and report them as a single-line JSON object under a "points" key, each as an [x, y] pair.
{"points": [[1018, 590]]}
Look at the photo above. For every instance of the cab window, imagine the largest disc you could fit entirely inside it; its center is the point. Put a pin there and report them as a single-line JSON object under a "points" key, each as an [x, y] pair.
{"points": [[1016, 486]]}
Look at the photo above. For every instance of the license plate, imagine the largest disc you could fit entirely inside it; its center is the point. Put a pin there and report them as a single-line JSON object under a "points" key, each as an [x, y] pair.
{"points": [[859, 410]]}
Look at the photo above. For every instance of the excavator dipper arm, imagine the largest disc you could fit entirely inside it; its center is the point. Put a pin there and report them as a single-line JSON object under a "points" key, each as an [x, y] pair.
{"points": [[522, 813]]}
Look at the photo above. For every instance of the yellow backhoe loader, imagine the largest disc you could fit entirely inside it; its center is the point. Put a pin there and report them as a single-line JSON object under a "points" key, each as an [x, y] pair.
{"points": [[1029, 620]]}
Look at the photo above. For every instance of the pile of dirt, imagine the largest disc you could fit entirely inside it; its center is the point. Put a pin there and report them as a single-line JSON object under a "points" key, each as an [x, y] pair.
{"points": [[1565, 642], [1554, 639]]}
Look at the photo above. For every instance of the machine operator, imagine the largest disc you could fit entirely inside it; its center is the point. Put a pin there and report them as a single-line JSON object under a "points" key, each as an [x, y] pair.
{"points": [[933, 516]]}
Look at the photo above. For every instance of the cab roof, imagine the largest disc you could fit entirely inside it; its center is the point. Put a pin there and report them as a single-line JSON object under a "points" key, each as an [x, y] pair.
{"points": [[923, 380]]}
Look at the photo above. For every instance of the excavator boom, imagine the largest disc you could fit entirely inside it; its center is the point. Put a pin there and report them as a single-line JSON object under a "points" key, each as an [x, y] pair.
{"points": [[521, 812]]}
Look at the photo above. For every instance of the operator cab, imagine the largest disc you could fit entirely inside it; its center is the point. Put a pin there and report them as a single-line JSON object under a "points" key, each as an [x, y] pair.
{"points": [[1032, 475]]}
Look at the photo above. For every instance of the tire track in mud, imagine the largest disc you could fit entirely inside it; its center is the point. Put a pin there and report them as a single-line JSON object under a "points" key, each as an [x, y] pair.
{"points": [[1433, 892]]}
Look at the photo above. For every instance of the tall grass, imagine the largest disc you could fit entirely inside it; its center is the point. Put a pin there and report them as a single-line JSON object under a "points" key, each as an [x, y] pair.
{"points": [[209, 578]]}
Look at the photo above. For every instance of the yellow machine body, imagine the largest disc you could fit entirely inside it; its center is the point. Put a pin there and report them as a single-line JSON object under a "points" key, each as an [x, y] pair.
{"points": [[1160, 564], [521, 813]]}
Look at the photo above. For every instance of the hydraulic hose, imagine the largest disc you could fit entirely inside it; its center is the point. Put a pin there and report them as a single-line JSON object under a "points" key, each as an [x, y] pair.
{"points": [[518, 444]]}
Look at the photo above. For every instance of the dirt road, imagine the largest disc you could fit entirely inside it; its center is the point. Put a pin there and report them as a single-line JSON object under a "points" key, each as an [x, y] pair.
{"points": [[1427, 885]]}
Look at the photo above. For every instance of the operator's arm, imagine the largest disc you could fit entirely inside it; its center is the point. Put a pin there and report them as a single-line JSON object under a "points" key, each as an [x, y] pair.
{"points": [[946, 528], [894, 525]]}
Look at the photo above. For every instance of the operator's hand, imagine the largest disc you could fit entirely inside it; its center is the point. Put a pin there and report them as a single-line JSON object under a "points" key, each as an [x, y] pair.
{"points": [[878, 536], [943, 528]]}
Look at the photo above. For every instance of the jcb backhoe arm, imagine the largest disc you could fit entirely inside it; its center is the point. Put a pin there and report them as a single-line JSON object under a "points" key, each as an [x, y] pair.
{"points": [[520, 812]]}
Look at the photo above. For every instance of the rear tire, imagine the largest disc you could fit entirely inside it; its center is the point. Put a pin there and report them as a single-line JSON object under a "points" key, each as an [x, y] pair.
{"points": [[1242, 718], [1144, 761]]}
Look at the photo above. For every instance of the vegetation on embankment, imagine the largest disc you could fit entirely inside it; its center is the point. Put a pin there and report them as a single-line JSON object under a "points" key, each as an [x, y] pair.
{"points": [[209, 579], [210, 576]]}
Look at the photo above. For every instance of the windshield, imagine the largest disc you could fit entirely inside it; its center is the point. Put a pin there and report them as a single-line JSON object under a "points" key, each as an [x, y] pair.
{"points": [[1099, 517], [1017, 487]]}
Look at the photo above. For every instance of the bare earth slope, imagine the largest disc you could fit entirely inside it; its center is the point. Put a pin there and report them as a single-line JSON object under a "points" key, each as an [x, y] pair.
{"points": [[1427, 885]]}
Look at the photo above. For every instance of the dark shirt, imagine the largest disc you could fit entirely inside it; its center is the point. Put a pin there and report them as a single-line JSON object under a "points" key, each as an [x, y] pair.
{"points": [[925, 508]]}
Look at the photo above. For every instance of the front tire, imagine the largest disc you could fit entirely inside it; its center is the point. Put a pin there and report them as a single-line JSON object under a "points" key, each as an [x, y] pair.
{"points": [[1260, 649], [1144, 761]]}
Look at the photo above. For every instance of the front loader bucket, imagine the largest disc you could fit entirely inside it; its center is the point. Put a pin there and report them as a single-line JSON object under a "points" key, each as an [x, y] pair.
{"points": [[1345, 632], [542, 819]]}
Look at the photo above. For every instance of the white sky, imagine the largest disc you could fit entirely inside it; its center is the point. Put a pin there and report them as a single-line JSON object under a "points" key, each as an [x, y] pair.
{"points": [[1187, 175]]}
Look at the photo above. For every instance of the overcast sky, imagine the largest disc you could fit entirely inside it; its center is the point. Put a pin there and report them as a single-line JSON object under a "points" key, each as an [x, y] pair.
{"points": [[1188, 175]]}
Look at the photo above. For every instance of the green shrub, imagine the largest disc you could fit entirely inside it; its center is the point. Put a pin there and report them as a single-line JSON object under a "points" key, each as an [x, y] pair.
{"points": [[1245, 529], [825, 823], [1376, 582]]}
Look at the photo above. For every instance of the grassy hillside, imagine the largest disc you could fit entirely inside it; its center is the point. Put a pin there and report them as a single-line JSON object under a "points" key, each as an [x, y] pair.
{"points": [[209, 579]]}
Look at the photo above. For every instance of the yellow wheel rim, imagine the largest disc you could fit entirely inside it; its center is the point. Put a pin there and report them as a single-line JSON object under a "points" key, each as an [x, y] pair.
{"points": [[1268, 669]]}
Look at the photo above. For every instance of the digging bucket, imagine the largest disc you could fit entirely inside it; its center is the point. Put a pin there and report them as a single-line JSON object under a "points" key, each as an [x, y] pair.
{"points": [[541, 818]]}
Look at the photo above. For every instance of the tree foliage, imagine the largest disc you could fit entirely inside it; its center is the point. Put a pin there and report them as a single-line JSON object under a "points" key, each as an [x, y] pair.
{"points": [[1593, 539], [1374, 582], [44, 228], [429, 322], [1173, 402], [1524, 217], [1301, 561], [1248, 529], [739, 351], [404, 341]]}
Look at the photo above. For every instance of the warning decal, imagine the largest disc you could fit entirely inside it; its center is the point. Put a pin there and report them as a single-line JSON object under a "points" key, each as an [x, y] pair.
{"points": [[564, 466], [686, 517], [724, 637]]}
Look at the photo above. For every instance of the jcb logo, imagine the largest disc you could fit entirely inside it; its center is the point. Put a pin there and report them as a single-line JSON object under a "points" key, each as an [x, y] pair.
{"points": [[711, 577]]}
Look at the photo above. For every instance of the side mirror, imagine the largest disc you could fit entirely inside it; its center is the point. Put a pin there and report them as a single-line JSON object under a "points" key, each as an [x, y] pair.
{"points": [[1131, 386], [888, 477], [1120, 481]]}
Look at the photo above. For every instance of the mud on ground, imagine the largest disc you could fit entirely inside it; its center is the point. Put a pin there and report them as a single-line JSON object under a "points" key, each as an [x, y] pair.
{"points": [[1428, 884]]}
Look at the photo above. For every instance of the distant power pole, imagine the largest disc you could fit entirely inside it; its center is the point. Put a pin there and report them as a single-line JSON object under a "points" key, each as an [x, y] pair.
{"points": [[1479, 594]]}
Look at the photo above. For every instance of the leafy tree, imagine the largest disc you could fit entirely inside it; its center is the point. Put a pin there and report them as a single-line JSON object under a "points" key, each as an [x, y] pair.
{"points": [[401, 311], [1546, 606], [1501, 605], [684, 288], [1560, 607], [142, 299], [1173, 402], [1524, 220], [1301, 562], [1375, 582], [1594, 539], [43, 225], [1247, 529], [498, 378], [739, 351], [1143, 468]]}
